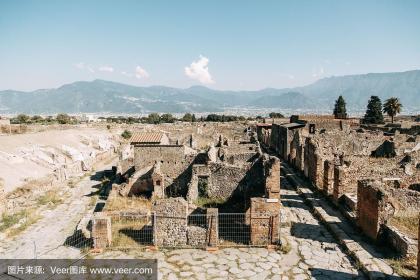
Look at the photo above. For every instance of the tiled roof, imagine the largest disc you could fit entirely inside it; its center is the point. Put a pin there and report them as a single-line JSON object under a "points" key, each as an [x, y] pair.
{"points": [[146, 137]]}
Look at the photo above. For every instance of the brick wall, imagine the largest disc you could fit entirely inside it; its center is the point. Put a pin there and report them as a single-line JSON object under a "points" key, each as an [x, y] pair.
{"points": [[373, 207]]}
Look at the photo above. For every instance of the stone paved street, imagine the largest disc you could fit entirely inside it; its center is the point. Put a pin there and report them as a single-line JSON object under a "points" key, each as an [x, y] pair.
{"points": [[312, 253]]}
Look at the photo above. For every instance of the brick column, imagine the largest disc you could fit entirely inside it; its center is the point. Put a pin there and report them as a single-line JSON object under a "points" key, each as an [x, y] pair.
{"points": [[373, 207], [272, 178], [264, 221], [338, 188], [212, 219], [101, 231]]}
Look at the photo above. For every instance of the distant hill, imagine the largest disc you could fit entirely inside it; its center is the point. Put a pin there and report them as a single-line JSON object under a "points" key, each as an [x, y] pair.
{"points": [[106, 96]]}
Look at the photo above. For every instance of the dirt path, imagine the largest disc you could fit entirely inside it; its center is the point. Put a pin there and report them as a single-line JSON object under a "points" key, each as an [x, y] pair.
{"points": [[45, 238]]}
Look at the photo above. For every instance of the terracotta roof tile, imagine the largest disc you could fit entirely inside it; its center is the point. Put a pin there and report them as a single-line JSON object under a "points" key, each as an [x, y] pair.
{"points": [[146, 137]]}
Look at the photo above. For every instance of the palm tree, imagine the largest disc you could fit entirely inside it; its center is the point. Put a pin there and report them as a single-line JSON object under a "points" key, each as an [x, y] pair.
{"points": [[392, 107]]}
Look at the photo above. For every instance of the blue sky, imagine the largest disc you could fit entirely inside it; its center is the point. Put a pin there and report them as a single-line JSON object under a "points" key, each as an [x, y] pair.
{"points": [[220, 44]]}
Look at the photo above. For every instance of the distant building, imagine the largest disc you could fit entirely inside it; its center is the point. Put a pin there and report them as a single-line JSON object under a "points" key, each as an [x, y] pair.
{"points": [[4, 121], [149, 138]]}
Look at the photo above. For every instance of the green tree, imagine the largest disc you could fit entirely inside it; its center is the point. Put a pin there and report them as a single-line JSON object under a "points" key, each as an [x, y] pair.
{"points": [[37, 119], [63, 118], [275, 115], [153, 118], [374, 111], [193, 118], [167, 118], [187, 117], [392, 107], [22, 118], [340, 111], [126, 134]]}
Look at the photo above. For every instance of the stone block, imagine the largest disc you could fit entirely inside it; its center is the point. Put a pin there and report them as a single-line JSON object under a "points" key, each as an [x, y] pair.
{"points": [[373, 207]]}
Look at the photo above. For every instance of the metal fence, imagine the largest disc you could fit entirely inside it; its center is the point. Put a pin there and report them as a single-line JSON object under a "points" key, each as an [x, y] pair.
{"points": [[192, 231], [132, 231]]}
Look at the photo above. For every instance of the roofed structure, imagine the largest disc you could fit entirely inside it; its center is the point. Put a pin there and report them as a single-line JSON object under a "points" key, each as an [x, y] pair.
{"points": [[149, 138]]}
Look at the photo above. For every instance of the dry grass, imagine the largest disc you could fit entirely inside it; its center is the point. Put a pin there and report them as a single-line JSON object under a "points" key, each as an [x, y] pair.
{"points": [[407, 221], [126, 232], [50, 198], [128, 203], [405, 267], [13, 224]]}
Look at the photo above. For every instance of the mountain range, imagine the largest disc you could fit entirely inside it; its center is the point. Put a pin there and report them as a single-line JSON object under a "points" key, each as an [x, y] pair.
{"points": [[110, 97]]}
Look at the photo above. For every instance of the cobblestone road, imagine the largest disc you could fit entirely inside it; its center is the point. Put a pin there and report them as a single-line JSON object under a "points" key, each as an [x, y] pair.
{"points": [[313, 253]]}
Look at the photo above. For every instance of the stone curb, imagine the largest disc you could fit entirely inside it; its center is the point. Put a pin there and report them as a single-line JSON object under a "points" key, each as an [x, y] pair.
{"points": [[372, 267]]}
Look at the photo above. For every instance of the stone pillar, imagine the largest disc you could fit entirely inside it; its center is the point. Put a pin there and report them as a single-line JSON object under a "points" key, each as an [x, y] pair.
{"points": [[101, 231], [338, 188], [272, 177], [328, 177], [373, 207], [212, 219], [264, 221], [318, 170]]}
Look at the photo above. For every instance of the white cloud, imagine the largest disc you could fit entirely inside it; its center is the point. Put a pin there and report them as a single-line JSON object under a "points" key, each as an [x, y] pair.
{"points": [[106, 69], [141, 73], [84, 66], [198, 70]]}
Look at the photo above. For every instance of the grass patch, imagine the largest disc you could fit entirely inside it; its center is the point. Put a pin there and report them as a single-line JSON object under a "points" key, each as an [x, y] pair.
{"points": [[128, 203], [50, 198], [13, 224], [209, 202], [405, 267], [407, 221], [128, 232]]}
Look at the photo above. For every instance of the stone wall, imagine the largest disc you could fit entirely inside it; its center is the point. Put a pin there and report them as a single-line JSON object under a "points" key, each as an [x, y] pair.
{"points": [[264, 221], [374, 207], [171, 222], [401, 243], [173, 158]]}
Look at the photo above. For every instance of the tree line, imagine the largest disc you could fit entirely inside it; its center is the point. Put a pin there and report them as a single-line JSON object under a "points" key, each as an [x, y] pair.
{"points": [[374, 110], [153, 118]]}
